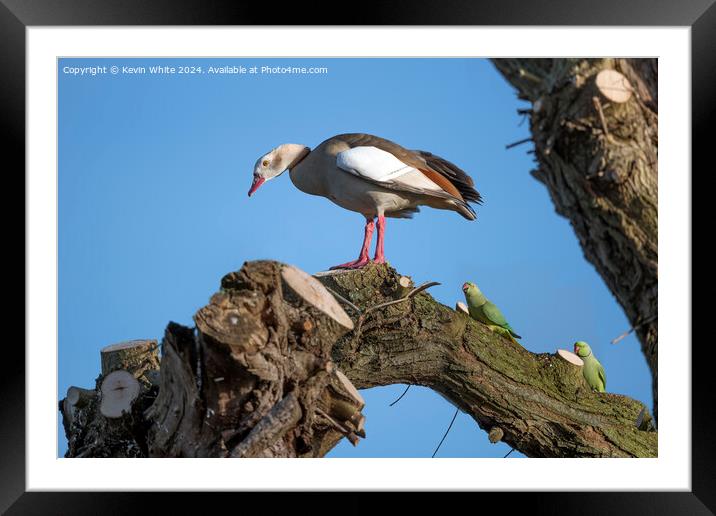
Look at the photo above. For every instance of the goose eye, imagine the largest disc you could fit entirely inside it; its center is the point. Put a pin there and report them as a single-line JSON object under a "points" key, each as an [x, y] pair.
{"points": [[265, 163]]}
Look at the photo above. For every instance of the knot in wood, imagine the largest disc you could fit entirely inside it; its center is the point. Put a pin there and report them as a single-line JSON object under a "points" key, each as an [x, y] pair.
{"points": [[496, 434]]}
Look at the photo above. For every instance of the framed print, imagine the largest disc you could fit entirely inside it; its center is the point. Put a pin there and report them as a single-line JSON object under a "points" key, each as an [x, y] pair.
{"points": [[194, 175]]}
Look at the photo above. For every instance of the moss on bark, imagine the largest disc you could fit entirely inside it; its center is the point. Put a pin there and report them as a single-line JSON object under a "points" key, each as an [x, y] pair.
{"points": [[540, 402]]}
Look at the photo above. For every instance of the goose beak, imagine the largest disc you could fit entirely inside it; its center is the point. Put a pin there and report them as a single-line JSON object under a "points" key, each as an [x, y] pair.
{"points": [[258, 181]]}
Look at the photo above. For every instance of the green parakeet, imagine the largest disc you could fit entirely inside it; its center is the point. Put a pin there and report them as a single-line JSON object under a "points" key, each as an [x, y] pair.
{"points": [[486, 311], [593, 371]]}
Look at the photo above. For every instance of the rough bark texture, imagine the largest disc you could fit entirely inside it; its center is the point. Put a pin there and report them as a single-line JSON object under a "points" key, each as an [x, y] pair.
{"points": [[598, 159], [139, 356], [259, 377], [92, 434]]}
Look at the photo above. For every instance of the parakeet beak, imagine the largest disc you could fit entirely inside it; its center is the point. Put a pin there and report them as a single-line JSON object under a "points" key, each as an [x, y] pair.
{"points": [[258, 181], [576, 349], [464, 287]]}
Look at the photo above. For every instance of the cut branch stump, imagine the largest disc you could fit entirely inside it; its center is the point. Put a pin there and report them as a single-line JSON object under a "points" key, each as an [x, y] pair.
{"points": [[138, 357], [109, 420], [257, 378]]}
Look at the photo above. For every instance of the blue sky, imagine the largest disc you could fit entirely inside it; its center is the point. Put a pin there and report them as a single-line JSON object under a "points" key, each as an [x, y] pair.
{"points": [[153, 175]]}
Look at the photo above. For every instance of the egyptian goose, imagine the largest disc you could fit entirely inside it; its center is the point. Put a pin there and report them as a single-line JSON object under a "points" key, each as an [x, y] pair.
{"points": [[372, 176]]}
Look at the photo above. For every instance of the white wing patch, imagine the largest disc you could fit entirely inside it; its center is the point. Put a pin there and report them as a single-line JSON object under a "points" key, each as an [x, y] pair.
{"points": [[382, 166], [372, 163]]}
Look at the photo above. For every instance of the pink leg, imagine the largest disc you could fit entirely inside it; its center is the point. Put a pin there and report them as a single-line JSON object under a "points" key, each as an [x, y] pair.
{"points": [[363, 257], [379, 254]]}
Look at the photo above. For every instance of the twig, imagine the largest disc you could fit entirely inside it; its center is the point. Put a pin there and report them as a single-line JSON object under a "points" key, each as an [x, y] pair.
{"points": [[515, 144], [383, 305], [401, 396], [598, 106], [364, 314], [343, 299], [524, 114], [631, 330], [508, 453], [529, 75], [446, 432], [410, 294]]}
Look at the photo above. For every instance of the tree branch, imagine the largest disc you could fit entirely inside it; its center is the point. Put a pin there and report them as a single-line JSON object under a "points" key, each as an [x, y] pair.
{"points": [[540, 401], [274, 425]]}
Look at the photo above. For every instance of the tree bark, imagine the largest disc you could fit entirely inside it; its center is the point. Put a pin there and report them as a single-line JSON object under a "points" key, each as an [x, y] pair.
{"points": [[596, 142], [139, 356], [108, 421]]}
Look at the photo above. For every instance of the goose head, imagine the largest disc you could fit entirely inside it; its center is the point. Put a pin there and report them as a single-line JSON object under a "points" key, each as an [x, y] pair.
{"points": [[276, 162]]}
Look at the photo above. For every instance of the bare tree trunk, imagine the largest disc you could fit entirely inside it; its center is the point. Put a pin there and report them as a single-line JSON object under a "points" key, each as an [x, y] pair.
{"points": [[261, 375], [594, 127], [254, 379]]}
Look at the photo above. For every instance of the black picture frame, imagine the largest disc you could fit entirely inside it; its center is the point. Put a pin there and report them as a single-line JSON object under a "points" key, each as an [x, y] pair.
{"points": [[17, 15]]}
